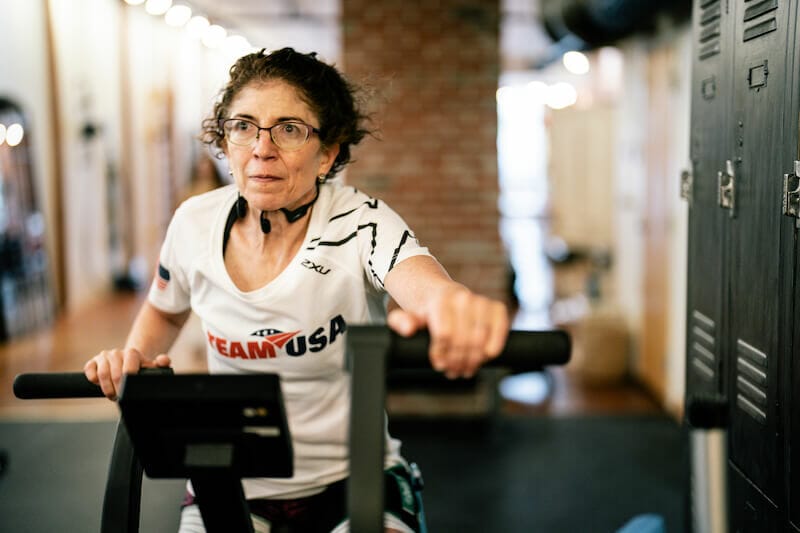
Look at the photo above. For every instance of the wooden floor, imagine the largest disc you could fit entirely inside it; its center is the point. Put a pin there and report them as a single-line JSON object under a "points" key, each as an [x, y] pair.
{"points": [[75, 337]]}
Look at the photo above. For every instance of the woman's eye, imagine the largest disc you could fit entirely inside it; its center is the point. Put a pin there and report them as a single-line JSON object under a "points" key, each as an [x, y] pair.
{"points": [[242, 125]]}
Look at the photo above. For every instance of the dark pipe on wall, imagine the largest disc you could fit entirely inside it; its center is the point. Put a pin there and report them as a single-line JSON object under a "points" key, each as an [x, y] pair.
{"points": [[602, 22]]}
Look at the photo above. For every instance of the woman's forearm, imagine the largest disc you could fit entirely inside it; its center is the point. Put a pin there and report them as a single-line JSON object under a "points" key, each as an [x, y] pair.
{"points": [[154, 331]]}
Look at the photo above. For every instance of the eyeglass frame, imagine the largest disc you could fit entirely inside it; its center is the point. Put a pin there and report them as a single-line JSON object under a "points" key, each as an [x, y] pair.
{"points": [[222, 121]]}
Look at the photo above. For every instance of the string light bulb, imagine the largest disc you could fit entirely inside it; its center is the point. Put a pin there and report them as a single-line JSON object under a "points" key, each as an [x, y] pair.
{"points": [[14, 134], [214, 35], [157, 7], [575, 62], [178, 15], [196, 26]]}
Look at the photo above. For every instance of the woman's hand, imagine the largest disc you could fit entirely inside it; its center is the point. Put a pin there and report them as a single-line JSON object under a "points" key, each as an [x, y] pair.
{"points": [[153, 332], [107, 368], [466, 329]]}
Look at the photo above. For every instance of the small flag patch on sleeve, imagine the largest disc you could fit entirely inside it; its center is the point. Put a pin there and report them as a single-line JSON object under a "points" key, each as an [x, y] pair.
{"points": [[163, 277]]}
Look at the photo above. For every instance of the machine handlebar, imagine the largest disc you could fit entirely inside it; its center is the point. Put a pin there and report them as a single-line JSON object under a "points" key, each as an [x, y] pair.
{"points": [[524, 351], [37, 386]]}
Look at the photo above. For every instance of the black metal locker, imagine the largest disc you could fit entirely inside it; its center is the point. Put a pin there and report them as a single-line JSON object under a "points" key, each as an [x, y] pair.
{"points": [[743, 290], [708, 253], [792, 385], [754, 512], [708, 250], [757, 289], [791, 373]]}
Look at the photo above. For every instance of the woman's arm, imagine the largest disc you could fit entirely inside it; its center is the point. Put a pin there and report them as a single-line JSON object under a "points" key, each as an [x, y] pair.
{"points": [[154, 330], [151, 336], [466, 329]]}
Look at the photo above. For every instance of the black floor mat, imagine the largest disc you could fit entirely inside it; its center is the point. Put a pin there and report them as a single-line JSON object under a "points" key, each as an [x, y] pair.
{"points": [[506, 474]]}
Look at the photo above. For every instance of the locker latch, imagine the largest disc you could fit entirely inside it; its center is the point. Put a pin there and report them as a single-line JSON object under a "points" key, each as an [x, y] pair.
{"points": [[686, 185], [727, 187], [791, 192]]}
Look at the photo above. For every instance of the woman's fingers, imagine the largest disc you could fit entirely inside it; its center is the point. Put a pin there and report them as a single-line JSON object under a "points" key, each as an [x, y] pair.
{"points": [[466, 331], [403, 323], [160, 361], [107, 368]]}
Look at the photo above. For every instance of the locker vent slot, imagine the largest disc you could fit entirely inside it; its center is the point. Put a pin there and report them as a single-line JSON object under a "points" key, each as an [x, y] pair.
{"points": [[754, 11], [751, 381], [710, 29], [759, 9], [702, 346], [762, 28], [710, 32]]}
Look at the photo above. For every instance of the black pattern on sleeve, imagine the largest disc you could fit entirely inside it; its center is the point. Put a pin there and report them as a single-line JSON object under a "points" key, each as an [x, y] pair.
{"points": [[403, 240], [373, 227], [372, 203]]}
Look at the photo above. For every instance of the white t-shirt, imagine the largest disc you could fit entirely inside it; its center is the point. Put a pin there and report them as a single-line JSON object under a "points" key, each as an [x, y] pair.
{"points": [[294, 325]]}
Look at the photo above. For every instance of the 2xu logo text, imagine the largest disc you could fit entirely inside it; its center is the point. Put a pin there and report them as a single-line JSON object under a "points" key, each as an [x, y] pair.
{"points": [[311, 265]]}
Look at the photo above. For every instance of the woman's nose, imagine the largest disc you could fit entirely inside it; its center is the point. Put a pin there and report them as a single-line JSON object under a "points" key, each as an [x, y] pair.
{"points": [[263, 145]]}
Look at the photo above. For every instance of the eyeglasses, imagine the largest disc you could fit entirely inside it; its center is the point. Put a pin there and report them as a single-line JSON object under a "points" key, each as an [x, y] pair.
{"points": [[285, 135]]}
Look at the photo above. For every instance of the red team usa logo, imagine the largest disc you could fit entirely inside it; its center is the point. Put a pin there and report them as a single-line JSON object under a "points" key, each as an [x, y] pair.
{"points": [[273, 342]]}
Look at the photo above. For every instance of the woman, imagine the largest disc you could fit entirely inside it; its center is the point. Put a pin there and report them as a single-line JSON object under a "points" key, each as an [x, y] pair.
{"points": [[277, 264]]}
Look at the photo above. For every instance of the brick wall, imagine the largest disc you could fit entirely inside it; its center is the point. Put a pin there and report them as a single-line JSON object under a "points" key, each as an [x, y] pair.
{"points": [[432, 68]]}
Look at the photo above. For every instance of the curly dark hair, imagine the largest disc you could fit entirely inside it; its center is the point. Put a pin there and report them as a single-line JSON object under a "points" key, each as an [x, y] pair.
{"points": [[329, 95]]}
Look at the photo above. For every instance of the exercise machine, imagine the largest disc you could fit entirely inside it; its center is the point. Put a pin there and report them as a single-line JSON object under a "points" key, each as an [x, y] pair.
{"points": [[214, 427]]}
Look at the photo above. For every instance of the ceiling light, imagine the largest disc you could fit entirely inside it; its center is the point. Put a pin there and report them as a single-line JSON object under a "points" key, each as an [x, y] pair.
{"points": [[537, 91], [196, 26], [157, 7], [561, 95], [236, 45], [14, 134], [214, 35], [576, 62], [178, 15]]}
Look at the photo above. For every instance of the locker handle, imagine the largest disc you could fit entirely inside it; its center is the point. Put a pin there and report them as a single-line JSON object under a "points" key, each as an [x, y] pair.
{"points": [[686, 185], [727, 187], [791, 192]]}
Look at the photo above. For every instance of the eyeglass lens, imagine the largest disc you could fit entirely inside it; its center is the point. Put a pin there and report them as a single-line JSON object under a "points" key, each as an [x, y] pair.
{"points": [[286, 135]]}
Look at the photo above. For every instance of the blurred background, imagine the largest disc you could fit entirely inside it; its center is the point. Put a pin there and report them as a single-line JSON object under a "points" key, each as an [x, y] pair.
{"points": [[535, 146], [540, 163]]}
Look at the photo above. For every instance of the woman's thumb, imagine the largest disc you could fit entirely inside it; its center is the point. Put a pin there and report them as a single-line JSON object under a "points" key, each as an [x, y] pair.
{"points": [[160, 361]]}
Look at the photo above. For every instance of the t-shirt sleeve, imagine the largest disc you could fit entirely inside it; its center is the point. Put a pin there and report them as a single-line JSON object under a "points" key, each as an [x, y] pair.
{"points": [[169, 290], [385, 240]]}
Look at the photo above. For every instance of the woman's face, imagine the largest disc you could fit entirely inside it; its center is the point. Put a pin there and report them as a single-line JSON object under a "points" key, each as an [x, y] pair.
{"points": [[268, 177]]}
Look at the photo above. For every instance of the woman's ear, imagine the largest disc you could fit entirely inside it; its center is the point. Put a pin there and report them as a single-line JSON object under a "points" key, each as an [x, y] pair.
{"points": [[329, 154]]}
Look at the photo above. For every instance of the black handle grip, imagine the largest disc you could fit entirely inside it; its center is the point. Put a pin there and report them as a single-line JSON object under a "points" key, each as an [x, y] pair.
{"points": [[50, 385], [524, 351], [39, 386]]}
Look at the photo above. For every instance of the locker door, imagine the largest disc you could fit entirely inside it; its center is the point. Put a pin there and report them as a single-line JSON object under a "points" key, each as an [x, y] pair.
{"points": [[793, 421], [754, 513], [791, 382], [757, 301], [793, 416], [711, 100]]}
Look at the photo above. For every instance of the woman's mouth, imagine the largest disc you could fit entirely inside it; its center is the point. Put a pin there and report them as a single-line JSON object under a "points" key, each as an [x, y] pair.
{"points": [[264, 177]]}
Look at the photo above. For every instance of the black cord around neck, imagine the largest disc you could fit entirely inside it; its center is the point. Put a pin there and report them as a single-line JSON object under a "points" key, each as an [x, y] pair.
{"points": [[239, 210]]}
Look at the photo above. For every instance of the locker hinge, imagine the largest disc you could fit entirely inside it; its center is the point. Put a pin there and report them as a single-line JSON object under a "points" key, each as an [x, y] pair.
{"points": [[791, 192], [727, 188], [686, 185]]}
